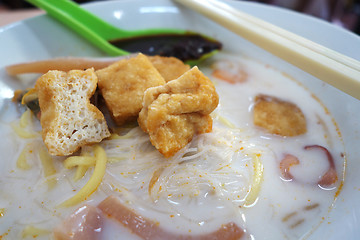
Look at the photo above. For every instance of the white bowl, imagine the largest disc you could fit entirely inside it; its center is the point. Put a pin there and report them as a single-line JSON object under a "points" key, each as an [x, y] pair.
{"points": [[43, 37]]}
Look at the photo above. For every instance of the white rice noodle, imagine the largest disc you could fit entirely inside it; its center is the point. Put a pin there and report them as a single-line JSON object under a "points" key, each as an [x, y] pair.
{"points": [[214, 167]]}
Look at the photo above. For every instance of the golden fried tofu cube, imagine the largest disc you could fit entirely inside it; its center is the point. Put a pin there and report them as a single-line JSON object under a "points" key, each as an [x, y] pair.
{"points": [[68, 119], [278, 117], [122, 84], [170, 68], [174, 112], [179, 131]]}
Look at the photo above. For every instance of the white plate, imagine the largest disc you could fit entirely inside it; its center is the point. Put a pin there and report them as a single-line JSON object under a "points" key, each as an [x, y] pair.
{"points": [[42, 37]]}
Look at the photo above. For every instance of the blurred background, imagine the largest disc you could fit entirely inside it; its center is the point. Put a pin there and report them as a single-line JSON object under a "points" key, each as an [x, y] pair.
{"points": [[345, 13]]}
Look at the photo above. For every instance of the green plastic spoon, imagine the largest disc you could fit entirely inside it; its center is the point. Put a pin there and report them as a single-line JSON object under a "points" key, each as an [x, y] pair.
{"points": [[102, 34]]}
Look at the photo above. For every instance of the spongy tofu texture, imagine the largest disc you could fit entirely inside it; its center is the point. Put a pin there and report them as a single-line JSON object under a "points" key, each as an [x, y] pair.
{"points": [[68, 119], [174, 112], [278, 116], [170, 68], [123, 84]]}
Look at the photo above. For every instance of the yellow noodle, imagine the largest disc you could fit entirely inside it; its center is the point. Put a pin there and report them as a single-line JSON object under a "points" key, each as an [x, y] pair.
{"points": [[30, 92], [226, 122], [117, 136], [80, 172], [25, 118], [51, 182], [47, 162], [95, 179], [2, 212], [257, 179], [74, 161], [48, 166], [115, 159], [113, 136], [22, 159], [82, 162], [21, 132], [33, 232]]}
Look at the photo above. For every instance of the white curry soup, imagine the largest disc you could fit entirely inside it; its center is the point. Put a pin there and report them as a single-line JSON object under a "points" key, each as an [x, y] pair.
{"points": [[267, 185]]}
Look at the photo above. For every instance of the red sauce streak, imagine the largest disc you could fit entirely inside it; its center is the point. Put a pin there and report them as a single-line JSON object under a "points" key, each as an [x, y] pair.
{"points": [[330, 177], [285, 164], [148, 229]]}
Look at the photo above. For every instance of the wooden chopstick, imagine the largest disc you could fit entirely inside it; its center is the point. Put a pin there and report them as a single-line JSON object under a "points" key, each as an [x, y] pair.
{"points": [[291, 36], [328, 65]]}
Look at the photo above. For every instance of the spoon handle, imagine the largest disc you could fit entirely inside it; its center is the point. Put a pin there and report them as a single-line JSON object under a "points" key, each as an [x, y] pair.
{"points": [[103, 34], [83, 22], [93, 28], [65, 9]]}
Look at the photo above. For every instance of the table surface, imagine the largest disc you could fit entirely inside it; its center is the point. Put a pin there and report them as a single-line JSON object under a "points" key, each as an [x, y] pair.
{"points": [[9, 16]]}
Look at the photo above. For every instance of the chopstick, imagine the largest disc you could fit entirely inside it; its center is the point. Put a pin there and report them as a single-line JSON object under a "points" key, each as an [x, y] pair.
{"points": [[328, 65]]}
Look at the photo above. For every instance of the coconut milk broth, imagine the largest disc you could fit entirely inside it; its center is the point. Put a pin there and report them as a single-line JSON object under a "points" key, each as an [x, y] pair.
{"points": [[283, 210], [281, 204]]}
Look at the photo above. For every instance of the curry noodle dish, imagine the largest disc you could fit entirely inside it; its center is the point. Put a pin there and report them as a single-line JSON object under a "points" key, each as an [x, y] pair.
{"points": [[151, 148]]}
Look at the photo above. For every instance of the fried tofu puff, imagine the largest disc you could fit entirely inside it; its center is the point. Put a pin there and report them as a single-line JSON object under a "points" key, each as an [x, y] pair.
{"points": [[278, 116], [174, 112], [122, 84], [169, 68], [68, 119]]}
